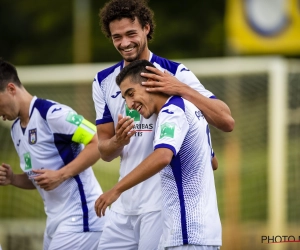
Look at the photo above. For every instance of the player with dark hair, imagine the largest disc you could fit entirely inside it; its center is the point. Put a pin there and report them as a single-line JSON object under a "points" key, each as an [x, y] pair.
{"points": [[51, 139], [182, 155], [135, 218]]}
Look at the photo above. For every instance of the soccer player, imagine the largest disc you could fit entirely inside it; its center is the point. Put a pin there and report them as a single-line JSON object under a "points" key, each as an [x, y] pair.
{"points": [[51, 137], [182, 154], [135, 218]]}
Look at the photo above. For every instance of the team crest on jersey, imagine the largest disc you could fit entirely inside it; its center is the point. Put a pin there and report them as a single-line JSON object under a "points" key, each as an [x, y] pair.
{"points": [[133, 114], [167, 130], [32, 136]]}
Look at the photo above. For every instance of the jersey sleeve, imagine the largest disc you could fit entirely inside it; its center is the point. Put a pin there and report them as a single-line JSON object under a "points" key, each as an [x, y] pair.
{"points": [[171, 128], [103, 114], [65, 122], [186, 76]]}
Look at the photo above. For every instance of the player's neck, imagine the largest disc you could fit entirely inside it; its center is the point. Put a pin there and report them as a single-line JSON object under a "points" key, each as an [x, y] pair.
{"points": [[144, 56], [25, 101], [160, 101]]}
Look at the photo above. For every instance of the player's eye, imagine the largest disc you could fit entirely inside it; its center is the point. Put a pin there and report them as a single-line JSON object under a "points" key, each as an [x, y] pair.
{"points": [[116, 38], [131, 34]]}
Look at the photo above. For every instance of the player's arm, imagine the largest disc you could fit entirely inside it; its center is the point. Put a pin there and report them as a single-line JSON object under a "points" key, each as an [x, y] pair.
{"points": [[155, 162], [84, 134], [7, 177], [214, 162], [216, 112], [86, 158], [111, 141]]}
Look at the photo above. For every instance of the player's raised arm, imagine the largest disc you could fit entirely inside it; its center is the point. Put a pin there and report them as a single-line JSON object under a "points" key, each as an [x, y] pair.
{"points": [[7, 177], [111, 141], [216, 112]]}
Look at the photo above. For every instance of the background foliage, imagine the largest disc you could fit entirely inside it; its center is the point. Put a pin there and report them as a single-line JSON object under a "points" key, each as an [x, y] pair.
{"points": [[41, 32]]}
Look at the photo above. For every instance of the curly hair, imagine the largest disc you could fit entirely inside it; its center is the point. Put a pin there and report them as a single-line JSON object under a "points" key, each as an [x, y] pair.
{"points": [[118, 9]]}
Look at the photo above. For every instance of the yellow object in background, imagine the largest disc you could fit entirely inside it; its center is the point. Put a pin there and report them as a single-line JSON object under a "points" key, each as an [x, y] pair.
{"points": [[263, 26]]}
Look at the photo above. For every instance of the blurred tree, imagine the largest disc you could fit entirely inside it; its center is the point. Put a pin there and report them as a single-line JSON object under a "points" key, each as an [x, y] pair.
{"points": [[41, 32], [36, 32], [184, 29]]}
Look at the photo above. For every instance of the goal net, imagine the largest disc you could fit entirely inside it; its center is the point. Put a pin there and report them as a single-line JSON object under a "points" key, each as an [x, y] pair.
{"points": [[257, 179]]}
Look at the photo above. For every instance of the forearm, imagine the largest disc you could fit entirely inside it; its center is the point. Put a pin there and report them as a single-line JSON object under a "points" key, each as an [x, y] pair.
{"points": [[216, 112], [109, 149], [22, 181], [149, 167], [87, 157]]}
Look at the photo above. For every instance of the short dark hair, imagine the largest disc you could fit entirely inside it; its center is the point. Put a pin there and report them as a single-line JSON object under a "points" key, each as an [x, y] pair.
{"points": [[8, 73], [118, 9], [134, 70]]}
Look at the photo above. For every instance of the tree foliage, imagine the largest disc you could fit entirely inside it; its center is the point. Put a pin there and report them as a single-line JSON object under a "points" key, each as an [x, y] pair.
{"points": [[41, 32]]}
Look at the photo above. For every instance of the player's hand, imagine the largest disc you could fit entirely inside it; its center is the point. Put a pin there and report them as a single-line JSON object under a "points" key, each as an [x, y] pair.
{"points": [[47, 179], [163, 82], [105, 200], [124, 130], [6, 174]]}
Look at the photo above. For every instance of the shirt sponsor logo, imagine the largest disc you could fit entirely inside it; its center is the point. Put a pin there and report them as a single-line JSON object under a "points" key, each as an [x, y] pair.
{"points": [[167, 130], [32, 136], [143, 126]]}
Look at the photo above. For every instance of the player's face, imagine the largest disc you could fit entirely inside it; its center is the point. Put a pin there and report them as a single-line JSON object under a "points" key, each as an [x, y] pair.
{"points": [[8, 107], [138, 98], [130, 39]]}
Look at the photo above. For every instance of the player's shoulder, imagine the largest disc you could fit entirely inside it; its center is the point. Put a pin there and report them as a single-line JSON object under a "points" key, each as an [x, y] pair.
{"points": [[174, 102], [173, 67], [42, 106], [50, 109], [164, 63], [105, 73]]}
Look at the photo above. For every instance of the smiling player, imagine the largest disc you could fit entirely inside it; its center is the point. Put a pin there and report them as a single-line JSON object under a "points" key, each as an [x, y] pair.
{"points": [[182, 155], [54, 142]]}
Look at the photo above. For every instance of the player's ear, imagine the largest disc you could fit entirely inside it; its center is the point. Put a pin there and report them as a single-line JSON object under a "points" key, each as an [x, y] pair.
{"points": [[11, 88], [147, 28]]}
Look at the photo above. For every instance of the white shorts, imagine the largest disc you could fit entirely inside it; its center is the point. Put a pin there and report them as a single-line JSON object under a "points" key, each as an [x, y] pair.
{"points": [[193, 247], [131, 232], [74, 241]]}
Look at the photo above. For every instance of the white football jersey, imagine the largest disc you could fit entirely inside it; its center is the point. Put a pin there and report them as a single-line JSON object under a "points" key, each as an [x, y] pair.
{"points": [[146, 196], [46, 143], [190, 209]]}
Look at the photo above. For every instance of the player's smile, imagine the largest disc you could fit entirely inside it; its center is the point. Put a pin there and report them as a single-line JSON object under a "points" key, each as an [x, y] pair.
{"points": [[129, 38], [139, 108], [128, 51]]}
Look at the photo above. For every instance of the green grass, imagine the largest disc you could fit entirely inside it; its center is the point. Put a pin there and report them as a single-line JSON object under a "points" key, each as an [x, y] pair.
{"points": [[107, 173]]}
